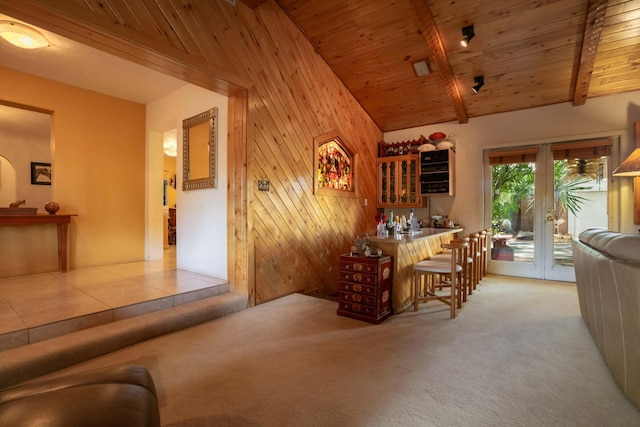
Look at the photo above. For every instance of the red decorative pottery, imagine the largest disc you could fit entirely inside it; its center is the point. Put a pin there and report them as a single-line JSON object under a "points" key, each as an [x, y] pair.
{"points": [[437, 136]]}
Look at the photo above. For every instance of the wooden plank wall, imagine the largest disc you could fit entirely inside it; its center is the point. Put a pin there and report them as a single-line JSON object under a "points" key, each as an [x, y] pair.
{"points": [[293, 238], [299, 236]]}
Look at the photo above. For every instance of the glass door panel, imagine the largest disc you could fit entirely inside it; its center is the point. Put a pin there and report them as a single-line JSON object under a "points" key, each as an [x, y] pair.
{"points": [[404, 181], [512, 216], [393, 197], [409, 181], [413, 181], [580, 189], [384, 182]]}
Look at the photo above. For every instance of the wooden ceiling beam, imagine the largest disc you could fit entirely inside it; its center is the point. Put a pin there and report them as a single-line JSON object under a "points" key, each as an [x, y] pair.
{"points": [[592, 30], [253, 4], [429, 31]]}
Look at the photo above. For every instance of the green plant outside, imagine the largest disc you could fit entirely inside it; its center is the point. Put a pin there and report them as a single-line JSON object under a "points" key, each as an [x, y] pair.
{"points": [[513, 187]]}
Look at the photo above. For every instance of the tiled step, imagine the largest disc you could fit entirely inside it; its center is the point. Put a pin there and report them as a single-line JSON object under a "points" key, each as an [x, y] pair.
{"points": [[26, 362], [30, 335]]}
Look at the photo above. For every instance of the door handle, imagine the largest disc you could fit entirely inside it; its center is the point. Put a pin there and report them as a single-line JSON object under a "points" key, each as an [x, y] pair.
{"points": [[549, 218]]}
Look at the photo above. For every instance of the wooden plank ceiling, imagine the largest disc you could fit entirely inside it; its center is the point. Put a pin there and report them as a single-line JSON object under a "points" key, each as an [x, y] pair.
{"points": [[531, 53]]}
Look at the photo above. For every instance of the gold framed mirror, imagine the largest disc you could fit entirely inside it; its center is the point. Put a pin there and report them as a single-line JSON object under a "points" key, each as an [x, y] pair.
{"points": [[199, 137]]}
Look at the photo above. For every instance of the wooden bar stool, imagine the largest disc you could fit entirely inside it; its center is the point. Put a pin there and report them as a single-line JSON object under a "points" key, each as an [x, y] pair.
{"points": [[487, 250], [475, 267], [482, 248], [432, 269], [476, 254], [466, 262]]}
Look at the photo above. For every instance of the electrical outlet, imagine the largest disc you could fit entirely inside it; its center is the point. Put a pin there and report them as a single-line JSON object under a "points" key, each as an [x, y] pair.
{"points": [[263, 185]]}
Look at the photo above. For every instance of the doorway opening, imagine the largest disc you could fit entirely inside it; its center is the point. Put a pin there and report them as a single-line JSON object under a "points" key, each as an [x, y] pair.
{"points": [[169, 188]]}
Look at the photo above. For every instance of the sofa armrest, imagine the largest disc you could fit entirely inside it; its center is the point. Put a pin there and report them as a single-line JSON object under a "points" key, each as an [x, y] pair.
{"points": [[122, 396]]}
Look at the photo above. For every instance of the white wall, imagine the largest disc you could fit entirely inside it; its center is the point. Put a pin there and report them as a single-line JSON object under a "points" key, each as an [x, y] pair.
{"points": [[201, 214], [610, 115]]}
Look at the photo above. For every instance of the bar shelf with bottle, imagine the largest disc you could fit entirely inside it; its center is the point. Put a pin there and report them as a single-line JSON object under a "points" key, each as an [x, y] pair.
{"points": [[437, 173]]}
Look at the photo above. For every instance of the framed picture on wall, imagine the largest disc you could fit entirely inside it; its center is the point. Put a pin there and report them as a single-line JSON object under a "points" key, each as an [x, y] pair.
{"points": [[40, 173], [334, 166]]}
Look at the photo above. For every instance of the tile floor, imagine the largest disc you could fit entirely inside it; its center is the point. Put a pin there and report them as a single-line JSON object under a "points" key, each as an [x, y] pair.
{"points": [[41, 306]]}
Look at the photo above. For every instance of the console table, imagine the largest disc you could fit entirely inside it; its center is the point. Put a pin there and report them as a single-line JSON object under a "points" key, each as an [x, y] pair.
{"points": [[62, 221]]}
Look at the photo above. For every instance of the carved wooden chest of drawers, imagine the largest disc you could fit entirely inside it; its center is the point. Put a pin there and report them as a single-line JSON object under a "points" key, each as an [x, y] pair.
{"points": [[365, 287]]}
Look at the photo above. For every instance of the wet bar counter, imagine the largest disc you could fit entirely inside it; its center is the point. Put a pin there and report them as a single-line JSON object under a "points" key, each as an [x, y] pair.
{"points": [[408, 249]]}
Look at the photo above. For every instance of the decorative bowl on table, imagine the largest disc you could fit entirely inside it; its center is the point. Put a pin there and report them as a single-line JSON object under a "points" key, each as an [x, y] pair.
{"points": [[52, 208]]}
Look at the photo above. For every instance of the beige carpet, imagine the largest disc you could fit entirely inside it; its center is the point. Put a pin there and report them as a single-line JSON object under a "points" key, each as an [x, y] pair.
{"points": [[518, 354]]}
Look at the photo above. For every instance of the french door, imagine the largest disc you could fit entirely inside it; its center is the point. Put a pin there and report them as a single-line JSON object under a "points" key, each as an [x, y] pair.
{"points": [[541, 197]]}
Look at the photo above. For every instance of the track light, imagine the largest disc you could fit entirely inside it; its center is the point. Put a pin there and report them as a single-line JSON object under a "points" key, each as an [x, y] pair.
{"points": [[479, 82], [467, 35]]}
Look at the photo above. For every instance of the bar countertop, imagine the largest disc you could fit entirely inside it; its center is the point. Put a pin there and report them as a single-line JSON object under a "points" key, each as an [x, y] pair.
{"points": [[406, 250], [423, 234]]}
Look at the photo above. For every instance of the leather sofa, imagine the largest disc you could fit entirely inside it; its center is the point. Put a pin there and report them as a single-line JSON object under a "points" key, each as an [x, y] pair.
{"points": [[115, 396], [607, 266]]}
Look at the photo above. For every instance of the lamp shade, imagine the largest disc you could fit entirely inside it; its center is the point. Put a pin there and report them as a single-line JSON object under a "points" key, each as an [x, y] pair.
{"points": [[631, 166]]}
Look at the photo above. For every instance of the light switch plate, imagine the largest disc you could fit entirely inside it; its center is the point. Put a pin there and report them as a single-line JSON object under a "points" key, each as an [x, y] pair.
{"points": [[263, 185]]}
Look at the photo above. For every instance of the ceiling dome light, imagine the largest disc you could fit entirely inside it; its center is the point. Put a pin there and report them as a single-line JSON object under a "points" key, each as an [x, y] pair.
{"points": [[22, 36]]}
